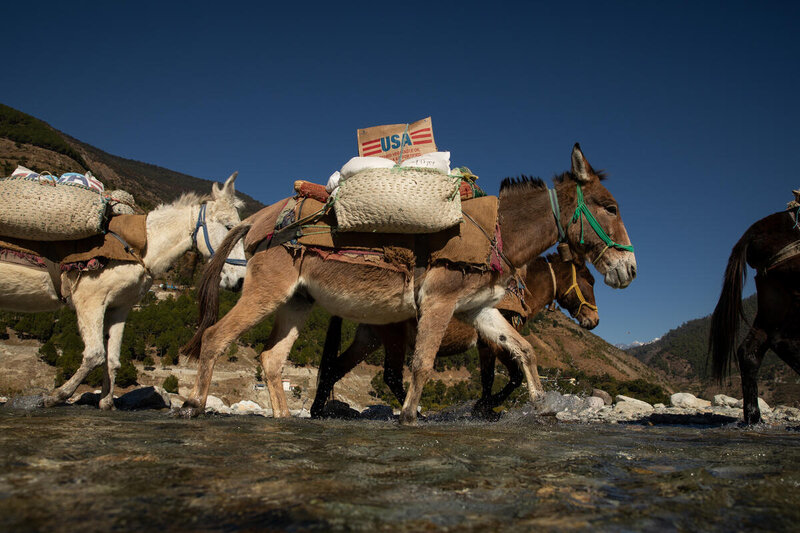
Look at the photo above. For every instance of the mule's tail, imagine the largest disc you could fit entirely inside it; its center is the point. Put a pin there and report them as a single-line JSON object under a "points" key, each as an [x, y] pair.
{"points": [[208, 291], [728, 313]]}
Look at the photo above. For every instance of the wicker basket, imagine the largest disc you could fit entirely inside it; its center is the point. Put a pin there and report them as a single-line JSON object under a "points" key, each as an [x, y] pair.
{"points": [[43, 211], [398, 200]]}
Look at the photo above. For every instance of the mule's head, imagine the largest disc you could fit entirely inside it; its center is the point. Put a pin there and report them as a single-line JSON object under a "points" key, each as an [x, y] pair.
{"points": [[575, 290], [595, 229], [222, 214]]}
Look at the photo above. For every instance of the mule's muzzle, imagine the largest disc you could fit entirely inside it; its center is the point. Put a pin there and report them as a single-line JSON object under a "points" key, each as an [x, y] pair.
{"points": [[621, 273]]}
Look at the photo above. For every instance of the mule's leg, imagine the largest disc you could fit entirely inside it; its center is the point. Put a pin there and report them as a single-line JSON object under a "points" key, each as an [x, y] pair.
{"points": [[493, 327], [115, 325], [288, 321], [788, 349], [90, 311], [750, 354], [394, 344], [515, 377], [333, 368], [435, 314], [487, 358], [259, 299]]}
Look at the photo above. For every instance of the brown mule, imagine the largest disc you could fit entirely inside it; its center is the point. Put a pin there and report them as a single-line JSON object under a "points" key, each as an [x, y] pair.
{"points": [[570, 283], [772, 247], [289, 285]]}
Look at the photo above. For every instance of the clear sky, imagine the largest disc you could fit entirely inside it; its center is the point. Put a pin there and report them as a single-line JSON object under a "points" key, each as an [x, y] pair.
{"points": [[691, 107]]}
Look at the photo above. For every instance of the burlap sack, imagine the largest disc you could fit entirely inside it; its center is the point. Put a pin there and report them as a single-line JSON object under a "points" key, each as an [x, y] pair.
{"points": [[398, 200], [43, 211]]}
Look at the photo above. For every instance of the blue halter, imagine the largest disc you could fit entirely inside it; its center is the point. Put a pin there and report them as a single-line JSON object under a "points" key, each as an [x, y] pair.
{"points": [[201, 223]]}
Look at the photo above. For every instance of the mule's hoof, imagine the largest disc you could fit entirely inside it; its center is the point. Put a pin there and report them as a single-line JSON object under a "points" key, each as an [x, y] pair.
{"points": [[188, 410], [106, 405], [485, 412], [50, 401], [408, 421]]}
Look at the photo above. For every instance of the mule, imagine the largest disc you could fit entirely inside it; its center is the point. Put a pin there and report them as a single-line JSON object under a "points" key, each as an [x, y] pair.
{"points": [[278, 281], [772, 247], [570, 283], [103, 298]]}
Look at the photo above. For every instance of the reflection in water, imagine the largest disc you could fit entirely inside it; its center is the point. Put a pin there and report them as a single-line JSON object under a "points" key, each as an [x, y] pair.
{"points": [[68, 468]]}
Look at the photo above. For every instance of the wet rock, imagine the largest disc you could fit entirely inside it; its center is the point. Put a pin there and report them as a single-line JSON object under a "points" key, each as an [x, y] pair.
{"points": [[300, 413], [603, 395], [377, 412], [782, 412], [631, 408], [622, 398], [554, 402], [176, 401], [26, 403], [88, 398], [143, 398], [725, 401], [594, 403], [762, 405], [659, 406], [567, 416], [3, 400], [246, 407], [215, 405], [339, 409], [688, 401]]}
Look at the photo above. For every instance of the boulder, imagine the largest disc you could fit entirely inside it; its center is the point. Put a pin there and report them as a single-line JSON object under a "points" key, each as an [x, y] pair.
{"points": [[143, 398], [620, 398], [762, 405], [606, 397], [377, 412], [725, 401], [215, 405], [686, 400], [632, 409], [245, 407], [554, 402], [594, 403], [88, 398], [782, 412], [26, 403], [339, 409]]}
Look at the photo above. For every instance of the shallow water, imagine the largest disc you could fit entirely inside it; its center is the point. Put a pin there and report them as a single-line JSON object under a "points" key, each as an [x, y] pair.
{"points": [[76, 468]]}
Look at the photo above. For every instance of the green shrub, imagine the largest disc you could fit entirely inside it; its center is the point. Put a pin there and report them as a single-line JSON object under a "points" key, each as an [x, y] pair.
{"points": [[170, 384]]}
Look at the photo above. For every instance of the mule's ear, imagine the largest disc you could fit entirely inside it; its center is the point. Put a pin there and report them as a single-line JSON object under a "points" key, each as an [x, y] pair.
{"points": [[226, 190], [581, 168]]}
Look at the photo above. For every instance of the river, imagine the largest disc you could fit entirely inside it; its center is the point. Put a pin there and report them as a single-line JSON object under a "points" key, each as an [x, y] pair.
{"points": [[80, 469]]}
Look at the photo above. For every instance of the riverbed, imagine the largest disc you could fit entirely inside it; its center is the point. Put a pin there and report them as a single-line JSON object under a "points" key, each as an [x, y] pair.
{"points": [[80, 469]]}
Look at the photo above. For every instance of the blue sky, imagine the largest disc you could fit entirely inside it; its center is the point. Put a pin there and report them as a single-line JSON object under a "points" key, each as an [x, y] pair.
{"points": [[691, 107]]}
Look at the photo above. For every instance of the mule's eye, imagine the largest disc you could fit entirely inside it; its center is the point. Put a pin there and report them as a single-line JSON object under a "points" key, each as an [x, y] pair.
{"points": [[611, 209]]}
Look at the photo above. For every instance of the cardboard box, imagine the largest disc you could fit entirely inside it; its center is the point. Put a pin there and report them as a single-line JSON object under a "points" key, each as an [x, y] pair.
{"points": [[387, 141]]}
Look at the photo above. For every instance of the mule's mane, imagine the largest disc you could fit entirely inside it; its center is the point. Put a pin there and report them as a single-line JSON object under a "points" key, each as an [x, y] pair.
{"points": [[531, 182], [188, 199]]}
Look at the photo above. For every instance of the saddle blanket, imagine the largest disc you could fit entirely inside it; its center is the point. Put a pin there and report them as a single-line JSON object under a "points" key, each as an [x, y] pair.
{"points": [[132, 228]]}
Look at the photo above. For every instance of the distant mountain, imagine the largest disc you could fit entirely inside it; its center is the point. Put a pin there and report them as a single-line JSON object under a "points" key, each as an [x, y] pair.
{"points": [[681, 354], [636, 344], [30, 142]]}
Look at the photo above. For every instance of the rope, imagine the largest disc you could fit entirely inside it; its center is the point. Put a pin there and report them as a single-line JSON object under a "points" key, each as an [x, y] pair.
{"points": [[578, 293], [582, 211]]}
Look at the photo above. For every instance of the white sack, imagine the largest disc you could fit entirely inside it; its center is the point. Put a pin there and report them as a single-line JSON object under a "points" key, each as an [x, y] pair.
{"points": [[436, 160], [357, 164], [333, 182]]}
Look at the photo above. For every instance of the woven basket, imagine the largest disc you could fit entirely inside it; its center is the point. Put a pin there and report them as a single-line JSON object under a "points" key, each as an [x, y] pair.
{"points": [[398, 200], [42, 211]]}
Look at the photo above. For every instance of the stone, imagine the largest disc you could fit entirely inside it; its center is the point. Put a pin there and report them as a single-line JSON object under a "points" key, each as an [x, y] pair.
{"points": [[245, 407], [567, 416], [594, 403], [339, 409], [26, 403], [622, 398], [688, 401], [783, 412], [300, 413], [659, 406], [377, 412], [554, 402], [606, 397], [725, 401], [176, 401], [762, 405], [215, 405], [143, 398], [88, 398], [632, 409], [3, 399]]}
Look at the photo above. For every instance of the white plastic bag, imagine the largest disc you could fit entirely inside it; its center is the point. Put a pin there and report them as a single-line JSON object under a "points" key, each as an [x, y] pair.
{"points": [[435, 160]]}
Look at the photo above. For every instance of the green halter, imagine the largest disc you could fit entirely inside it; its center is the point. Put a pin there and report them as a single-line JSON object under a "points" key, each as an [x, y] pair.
{"points": [[581, 212]]}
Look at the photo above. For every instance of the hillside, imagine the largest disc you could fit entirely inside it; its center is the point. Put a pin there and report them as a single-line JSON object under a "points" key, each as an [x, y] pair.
{"points": [[681, 354], [28, 141]]}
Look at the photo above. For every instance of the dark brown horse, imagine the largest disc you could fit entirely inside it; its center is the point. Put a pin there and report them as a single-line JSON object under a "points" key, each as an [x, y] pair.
{"points": [[772, 247], [287, 284], [570, 283]]}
